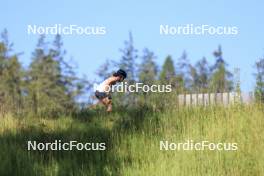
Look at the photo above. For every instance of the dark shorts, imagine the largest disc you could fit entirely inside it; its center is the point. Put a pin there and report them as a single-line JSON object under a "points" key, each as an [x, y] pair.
{"points": [[102, 95]]}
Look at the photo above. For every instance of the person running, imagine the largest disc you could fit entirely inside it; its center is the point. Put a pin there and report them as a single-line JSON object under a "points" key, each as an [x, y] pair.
{"points": [[102, 92]]}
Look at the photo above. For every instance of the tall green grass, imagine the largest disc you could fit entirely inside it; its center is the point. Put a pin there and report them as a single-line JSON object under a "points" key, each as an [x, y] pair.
{"points": [[132, 137]]}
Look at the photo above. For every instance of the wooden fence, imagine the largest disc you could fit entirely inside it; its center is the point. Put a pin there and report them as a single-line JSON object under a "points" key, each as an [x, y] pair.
{"points": [[205, 99]]}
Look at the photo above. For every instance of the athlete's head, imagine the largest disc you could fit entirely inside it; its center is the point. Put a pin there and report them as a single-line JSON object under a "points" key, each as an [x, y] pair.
{"points": [[121, 74]]}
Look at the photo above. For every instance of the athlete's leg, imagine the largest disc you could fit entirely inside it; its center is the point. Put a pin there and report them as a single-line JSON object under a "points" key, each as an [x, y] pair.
{"points": [[109, 107], [108, 103]]}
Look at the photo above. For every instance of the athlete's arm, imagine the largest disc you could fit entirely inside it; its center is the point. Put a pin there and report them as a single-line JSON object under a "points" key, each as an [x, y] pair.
{"points": [[112, 80]]}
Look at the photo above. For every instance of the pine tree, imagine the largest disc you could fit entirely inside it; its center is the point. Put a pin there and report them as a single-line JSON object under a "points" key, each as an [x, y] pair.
{"points": [[51, 80], [259, 88], [73, 86], [194, 82], [203, 72], [148, 68], [221, 79], [128, 64], [11, 74], [128, 59], [183, 71], [167, 74]]}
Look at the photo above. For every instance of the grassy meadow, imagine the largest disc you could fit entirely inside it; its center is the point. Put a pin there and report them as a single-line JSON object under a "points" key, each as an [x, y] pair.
{"points": [[132, 138]]}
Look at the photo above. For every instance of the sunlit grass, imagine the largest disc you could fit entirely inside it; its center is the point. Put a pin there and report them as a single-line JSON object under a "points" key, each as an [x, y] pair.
{"points": [[133, 138]]}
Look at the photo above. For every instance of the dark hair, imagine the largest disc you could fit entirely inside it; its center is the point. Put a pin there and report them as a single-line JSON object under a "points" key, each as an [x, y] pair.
{"points": [[115, 74], [120, 72]]}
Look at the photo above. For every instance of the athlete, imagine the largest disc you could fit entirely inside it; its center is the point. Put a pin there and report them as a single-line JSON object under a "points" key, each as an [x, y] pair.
{"points": [[102, 92]]}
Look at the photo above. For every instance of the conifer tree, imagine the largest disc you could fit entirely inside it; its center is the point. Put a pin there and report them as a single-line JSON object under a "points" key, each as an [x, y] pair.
{"points": [[203, 72], [11, 74], [129, 58], [148, 68], [52, 82], [167, 73], [221, 79], [259, 88]]}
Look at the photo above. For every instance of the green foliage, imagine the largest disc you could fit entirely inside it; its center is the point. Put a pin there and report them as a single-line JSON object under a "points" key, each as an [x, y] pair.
{"points": [[167, 74], [48, 87], [128, 63], [194, 87], [184, 71], [128, 59], [148, 69], [202, 82], [221, 78], [259, 88], [11, 73], [50, 80]]}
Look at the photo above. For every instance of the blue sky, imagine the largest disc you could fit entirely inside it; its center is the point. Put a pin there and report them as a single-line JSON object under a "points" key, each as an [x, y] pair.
{"points": [[143, 19]]}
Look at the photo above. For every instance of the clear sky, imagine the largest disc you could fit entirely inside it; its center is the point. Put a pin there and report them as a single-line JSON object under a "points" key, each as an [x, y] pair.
{"points": [[143, 18]]}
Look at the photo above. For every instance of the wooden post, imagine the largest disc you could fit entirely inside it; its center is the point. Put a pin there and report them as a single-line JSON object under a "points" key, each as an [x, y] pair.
{"points": [[219, 98], [181, 99], [212, 99], [194, 99], [188, 99], [200, 99], [206, 99], [225, 99]]}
